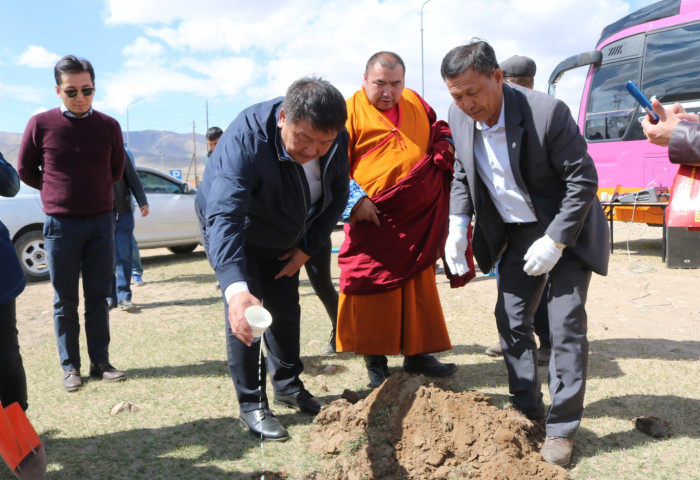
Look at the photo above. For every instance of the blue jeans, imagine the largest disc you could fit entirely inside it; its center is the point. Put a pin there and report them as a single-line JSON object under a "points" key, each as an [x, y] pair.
{"points": [[78, 245], [136, 267], [123, 256]]}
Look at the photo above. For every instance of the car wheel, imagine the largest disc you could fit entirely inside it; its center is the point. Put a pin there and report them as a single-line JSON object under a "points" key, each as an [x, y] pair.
{"points": [[180, 249], [32, 255]]}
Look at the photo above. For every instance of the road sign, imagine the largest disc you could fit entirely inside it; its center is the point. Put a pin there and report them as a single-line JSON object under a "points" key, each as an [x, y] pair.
{"points": [[176, 173]]}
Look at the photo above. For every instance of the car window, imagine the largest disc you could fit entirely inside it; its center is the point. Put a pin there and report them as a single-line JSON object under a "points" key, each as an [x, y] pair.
{"points": [[157, 184]]}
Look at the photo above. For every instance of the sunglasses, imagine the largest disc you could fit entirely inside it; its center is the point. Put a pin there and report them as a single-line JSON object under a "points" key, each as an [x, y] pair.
{"points": [[85, 91]]}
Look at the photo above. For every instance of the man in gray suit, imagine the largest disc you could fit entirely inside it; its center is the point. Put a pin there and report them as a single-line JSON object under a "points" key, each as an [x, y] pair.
{"points": [[523, 172]]}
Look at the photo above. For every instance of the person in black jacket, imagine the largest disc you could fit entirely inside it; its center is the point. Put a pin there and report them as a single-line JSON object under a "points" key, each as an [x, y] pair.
{"points": [[13, 382], [124, 232], [272, 192]]}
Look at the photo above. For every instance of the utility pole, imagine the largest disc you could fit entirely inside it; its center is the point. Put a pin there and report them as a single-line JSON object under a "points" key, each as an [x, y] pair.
{"points": [[127, 118], [194, 155]]}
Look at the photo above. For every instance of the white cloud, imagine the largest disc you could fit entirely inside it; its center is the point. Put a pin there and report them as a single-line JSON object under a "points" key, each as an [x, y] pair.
{"points": [[38, 57], [27, 94], [288, 39], [148, 82], [226, 76], [249, 51], [39, 110], [143, 52]]}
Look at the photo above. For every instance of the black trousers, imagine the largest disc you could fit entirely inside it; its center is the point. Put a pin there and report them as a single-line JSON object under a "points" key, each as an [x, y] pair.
{"points": [[318, 268], [13, 382], [281, 298]]}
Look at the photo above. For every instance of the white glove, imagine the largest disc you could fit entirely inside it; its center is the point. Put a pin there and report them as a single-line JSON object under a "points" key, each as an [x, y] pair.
{"points": [[456, 247], [542, 256]]}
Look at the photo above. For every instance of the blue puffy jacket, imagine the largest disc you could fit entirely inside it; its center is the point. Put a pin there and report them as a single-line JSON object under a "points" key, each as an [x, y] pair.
{"points": [[254, 194]]}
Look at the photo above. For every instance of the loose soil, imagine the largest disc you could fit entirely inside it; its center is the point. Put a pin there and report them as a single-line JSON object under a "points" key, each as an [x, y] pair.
{"points": [[410, 428]]}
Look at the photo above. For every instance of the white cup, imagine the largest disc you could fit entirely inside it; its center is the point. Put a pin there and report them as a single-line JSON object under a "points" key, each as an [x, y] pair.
{"points": [[258, 319]]}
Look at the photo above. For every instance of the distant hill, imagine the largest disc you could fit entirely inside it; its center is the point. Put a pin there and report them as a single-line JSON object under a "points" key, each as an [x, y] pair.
{"points": [[9, 146], [162, 150]]}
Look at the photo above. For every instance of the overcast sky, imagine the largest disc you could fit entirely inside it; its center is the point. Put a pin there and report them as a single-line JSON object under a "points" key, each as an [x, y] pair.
{"points": [[163, 61]]}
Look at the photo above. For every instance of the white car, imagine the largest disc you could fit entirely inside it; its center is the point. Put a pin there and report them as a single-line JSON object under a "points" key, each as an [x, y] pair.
{"points": [[171, 222]]}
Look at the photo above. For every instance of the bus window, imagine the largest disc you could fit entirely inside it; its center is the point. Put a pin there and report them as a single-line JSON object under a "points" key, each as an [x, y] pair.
{"points": [[671, 68], [611, 109]]}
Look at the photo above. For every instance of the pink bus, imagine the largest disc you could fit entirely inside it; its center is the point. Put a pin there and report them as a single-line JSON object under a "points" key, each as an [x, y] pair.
{"points": [[658, 48]]}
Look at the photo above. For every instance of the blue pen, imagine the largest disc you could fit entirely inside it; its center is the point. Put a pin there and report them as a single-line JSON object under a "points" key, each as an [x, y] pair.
{"points": [[643, 101]]}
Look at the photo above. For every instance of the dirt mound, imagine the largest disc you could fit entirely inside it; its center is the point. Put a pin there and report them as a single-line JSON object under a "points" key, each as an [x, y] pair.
{"points": [[410, 428]]}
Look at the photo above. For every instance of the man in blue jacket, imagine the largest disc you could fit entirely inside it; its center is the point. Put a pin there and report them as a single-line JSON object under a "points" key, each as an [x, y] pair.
{"points": [[273, 190]]}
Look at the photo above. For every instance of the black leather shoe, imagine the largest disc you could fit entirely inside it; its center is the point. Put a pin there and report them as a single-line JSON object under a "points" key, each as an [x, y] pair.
{"points": [[377, 369], [106, 372], [537, 414], [72, 380], [263, 422], [302, 400], [428, 365]]}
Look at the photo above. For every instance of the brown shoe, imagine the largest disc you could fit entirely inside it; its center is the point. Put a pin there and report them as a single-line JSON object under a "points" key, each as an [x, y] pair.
{"points": [[72, 380], [495, 351], [106, 372], [557, 450]]}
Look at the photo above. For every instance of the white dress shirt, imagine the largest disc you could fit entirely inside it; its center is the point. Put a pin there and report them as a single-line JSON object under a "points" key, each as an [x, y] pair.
{"points": [[493, 166]]}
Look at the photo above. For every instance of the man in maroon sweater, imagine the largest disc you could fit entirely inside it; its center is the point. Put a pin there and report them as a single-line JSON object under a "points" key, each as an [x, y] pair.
{"points": [[74, 154]]}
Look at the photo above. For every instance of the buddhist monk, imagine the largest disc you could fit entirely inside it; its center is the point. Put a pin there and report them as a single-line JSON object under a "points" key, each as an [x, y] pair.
{"points": [[400, 167]]}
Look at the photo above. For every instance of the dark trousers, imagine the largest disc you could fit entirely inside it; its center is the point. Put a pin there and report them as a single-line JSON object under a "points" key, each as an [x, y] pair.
{"points": [[541, 317], [318, 268], [281, 298], [518, 297], [75, 246], [13, 382]]}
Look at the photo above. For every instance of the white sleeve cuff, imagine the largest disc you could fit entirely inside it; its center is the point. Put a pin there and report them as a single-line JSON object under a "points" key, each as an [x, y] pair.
{"points": [[234, 288]]}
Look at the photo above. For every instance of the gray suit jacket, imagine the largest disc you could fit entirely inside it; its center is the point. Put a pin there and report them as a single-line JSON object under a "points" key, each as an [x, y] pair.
{"points": [[553, 170]]}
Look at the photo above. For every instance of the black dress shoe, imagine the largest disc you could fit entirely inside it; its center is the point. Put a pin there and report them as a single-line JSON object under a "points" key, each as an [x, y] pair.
{"points": [[72, 380], [428, 365], [537, 414], [377, 369], [106, 372], [302, 400], [263, 422]]}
